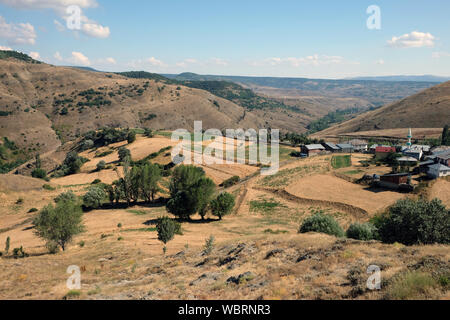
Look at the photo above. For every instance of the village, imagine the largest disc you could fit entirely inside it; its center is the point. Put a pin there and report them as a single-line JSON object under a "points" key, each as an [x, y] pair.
{"points": [[410, 164]]}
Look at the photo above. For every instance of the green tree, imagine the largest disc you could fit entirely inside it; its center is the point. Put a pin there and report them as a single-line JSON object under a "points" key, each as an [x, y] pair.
{"points": [[101, 165], [166, 229], [446, 136], [60, 223], [222, 205], [66, 196], [149, 178], [94, 198], [39, 173], [124, 153], [415, 222], [131, 137], [7, 244], [190, 191]]}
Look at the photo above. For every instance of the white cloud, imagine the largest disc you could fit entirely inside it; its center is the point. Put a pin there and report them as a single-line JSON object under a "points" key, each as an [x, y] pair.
{"points": [[414, 39], [79, 59], [441, 54], [35, 55], [58, 56], [88, 27], [59, 26], [186, 62], [5, 48], [95, 30], [17, 33], [313, 60], [380, 62], [155, 62], [219, 62], [109, 60], [49, 4]]}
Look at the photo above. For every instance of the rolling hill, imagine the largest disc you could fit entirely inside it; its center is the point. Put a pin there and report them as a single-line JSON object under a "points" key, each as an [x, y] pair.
{"points": [[429, 108]]}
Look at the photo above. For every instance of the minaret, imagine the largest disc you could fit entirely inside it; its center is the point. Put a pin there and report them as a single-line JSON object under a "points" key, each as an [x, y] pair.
{"points": [[409, 144]]}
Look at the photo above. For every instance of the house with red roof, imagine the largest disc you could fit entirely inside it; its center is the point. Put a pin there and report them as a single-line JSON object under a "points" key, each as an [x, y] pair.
{"points": [[383, 152]]}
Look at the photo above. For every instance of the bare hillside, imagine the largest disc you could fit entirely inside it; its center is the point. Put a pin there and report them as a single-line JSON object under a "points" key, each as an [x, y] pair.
{"points": [[427, 109]]}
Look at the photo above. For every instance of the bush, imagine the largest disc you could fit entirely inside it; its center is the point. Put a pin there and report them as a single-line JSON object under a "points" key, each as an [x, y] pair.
{"points": [[415, 222], [101, 165], [222, 205], [166, 229], [33, 210], [323, 224], [365, 231], [209, 245], [230, 182], [96, 181], [59, 224], [66, 196], [48, 187], [93, 199], [39, 174], [19, 253]]}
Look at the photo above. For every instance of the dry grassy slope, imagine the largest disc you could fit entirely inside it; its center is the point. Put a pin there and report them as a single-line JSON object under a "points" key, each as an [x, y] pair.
{"points": [[23, 85], [427, 109]]}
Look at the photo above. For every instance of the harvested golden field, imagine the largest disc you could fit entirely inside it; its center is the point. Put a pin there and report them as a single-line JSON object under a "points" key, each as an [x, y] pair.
{"points": [[441, 190], [331, 188]]}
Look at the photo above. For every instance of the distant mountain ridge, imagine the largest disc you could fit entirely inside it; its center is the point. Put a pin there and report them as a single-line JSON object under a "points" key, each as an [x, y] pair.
{"points": [[429, 108], [419, 78]]}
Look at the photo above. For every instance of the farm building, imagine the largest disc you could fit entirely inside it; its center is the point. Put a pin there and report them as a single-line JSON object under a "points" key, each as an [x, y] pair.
{"points": [[438, 170], [373, 147], [359, 145], [407, 161], [444, 159], [393, 181], [383, 152], [329, 146], [345, 147], [312, 149], [414, 153]]}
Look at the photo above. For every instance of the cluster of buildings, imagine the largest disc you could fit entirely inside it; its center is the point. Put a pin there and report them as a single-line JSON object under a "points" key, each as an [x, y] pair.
{"points": [[435, 162]]}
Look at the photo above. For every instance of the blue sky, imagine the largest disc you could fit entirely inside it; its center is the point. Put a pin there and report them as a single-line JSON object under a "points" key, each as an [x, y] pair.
{"points": [[321, 39]]}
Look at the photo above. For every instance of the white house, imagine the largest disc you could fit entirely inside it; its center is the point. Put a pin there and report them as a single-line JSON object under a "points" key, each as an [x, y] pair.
{"points": [[438, 170]]}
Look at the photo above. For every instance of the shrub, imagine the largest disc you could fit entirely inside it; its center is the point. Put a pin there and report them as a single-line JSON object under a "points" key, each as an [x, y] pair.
{"points": [[365, 231], [7, 244], [39, 174], [101, 165], [222, 205], [323, 224], [166, 229], [415, 222], [93, 199], [230, 182], [412, 285], [209, 245], [48, 187], [19, 201], [60, 223], [33, 210], [19, 253], [66, 196], [52, 247], [96, 181]]}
